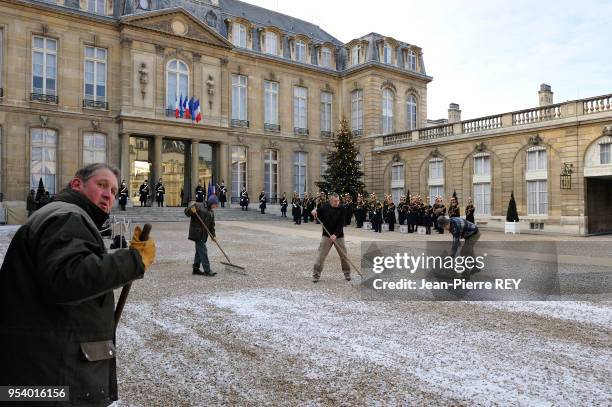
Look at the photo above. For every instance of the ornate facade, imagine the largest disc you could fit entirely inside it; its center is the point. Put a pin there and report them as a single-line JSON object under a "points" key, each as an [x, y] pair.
{"points": [[98, 80]]}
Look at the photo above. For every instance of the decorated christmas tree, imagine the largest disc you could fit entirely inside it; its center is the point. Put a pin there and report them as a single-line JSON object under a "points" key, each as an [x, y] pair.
{"points": [[512, 214], [343, 174]]}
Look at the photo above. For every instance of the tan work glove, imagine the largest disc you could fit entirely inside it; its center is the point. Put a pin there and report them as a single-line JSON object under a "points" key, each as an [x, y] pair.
{"points": [[146, 248]]}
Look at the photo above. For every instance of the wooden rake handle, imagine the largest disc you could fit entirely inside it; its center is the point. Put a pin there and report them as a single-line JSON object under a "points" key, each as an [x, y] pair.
{"points": [[342, 252], [144, 235], [211, 236]]}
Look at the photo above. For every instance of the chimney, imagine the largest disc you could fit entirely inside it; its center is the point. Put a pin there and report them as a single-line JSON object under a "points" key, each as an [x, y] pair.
{"points": [[546, 95], [454, 113]]}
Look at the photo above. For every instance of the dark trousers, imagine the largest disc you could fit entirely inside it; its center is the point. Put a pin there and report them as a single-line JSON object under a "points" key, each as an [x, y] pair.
{"points": [[160, 204], [201, 256], [122, 205], [305, 217], [223, 204], [283, 213]]}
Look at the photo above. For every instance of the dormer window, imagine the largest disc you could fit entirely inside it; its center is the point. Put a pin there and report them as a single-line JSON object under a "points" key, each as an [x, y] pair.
{"points": [[387, 54], [326, 57], [271, 43], [300, 51], [412, 59], [239, 35], [355, 54], [144, 4]]}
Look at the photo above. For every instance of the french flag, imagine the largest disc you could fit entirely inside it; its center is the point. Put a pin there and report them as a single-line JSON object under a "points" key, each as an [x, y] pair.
{"points": [[177, 112], [186, 104], [181, 109], [197, 113]]}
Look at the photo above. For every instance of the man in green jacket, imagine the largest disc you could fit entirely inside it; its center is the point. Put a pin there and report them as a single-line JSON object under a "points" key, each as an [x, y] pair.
{"points": [[56, 292], [199, 235]]}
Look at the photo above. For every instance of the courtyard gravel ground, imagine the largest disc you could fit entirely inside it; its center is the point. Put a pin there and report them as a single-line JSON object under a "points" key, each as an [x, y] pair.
{"points": [[275, 338]]}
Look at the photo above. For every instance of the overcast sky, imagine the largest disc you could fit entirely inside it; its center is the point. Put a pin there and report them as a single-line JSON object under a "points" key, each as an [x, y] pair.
{"points": [[490, 56]]}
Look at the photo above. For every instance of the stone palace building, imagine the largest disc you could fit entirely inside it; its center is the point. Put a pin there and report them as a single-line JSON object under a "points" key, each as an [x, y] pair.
{"points": [[98, 80]]}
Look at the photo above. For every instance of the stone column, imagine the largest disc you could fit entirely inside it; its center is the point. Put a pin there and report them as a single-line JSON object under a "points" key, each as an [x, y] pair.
{"points": [[124, 161], [223, 166], [157, 159], [195, 157]]}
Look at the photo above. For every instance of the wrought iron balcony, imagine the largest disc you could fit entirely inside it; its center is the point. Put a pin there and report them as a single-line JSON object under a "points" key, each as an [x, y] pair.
{"points": [[240, 123], [44, 98], [272, 127], [326, 134], [300, 131], [95, 104]]}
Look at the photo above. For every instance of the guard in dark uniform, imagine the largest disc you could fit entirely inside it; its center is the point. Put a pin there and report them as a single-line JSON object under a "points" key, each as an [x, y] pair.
{"points": [[401, 210], [453, 209], [160, 191], [312, 204], [439, 209], [222, 194], [428, 216], [144, 193], [305, 214], [377, 216], [262, 202], [296, 208], [123, 195], [348, 203], [390, 213], [411, 214], [200, 193], [469, 211], [283, 206], [244, 199]]}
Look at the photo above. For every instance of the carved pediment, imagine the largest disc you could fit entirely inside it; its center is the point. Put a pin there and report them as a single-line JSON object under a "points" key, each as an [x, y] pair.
{"points": [[177, 22]]}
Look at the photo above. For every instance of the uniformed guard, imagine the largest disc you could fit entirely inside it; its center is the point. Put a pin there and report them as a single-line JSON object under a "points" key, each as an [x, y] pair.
{"points": [[199, 193], [453, 208], [123, 195], [160, 191], [283, 205], [469, 211], [244, 199], [401, 210], [262, 202], [296, 208], [348, 203], [144, 193], [428, 216], [311, 206], [439, 209], [305, 215], [222, 194], [390, 213], [360, 211]]}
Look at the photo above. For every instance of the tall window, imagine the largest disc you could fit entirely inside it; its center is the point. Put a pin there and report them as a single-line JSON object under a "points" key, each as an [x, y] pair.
{"points": [[239, 97], [270, 102], [387, 54], [239, 171], [436, 178], [359, 159], [300, 110], [323, 167], [95, 74], [604, 153], [96, 6], [300, 51], [412, 61], [271, 174], [482, 184], [44, 65], [300, 164], [239, 35], [326, 57], [412, 112], [387, 111], [94, 148], [355, 54], [357, 110], [537, 181], [177, 79], [397, 181], [43, 158], [326, 112], [271, 42]]}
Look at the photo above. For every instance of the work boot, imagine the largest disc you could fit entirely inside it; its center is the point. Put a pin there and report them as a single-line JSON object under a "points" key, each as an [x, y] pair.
{"points": [[209, 273], [197, 272], [347, 276]]}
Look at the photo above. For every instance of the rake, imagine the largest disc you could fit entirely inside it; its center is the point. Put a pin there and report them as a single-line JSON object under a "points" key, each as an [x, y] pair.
{"points": [[229, 266]]}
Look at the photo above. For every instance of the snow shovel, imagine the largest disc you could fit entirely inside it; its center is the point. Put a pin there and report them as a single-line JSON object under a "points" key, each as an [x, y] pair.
{"points": [[229, 266], [144, 235], [342, 253]]}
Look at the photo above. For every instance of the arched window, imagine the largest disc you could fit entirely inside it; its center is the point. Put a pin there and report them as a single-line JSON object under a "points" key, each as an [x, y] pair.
{"points": [[326, 57], [387, 54], [211, 18], [482, 183], [355, 54], [177, 82], [271, 43], [43, 162], [387, 111], [411, 104], [435, 181], [271, 175], [412, 60], [537, 181], [300, 51], [239, 171], [239, 35]]}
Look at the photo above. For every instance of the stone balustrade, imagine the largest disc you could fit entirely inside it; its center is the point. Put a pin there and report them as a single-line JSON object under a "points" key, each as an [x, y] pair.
{"points": [[597, 104], [543, 114]]}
